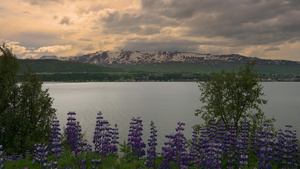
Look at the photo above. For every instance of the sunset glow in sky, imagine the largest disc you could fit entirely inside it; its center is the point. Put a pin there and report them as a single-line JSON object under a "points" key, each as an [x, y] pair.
{"points": [[258, 28]]}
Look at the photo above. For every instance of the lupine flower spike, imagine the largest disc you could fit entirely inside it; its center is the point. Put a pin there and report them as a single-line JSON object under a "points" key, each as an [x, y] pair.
{"points": [[135, 138], [55, 138], [267, 144], [102, 136], [72, 137], [114, 140], [152, 143], [175, 149], [242, 145], [73, 132], [213, 148]]}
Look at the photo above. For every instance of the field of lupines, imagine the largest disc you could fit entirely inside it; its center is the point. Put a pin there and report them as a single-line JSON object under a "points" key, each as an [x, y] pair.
{"points": [[211, 147]]}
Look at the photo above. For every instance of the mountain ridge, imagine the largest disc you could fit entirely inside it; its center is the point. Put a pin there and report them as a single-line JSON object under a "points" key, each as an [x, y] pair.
{"points": [[178, 62], [123, 57]]}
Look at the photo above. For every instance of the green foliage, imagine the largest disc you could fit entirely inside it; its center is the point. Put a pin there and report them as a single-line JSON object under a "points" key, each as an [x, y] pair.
{"points": [[25, 109], [230, 97], [36, 113], [59, 66], [70, 160], [113, 161], [127, 154], [9, 92], [128, 159], [96, 77], [177, 67]]}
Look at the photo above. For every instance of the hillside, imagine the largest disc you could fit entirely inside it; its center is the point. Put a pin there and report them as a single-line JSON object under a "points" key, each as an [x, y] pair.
{"points": [[58, 66], [176, 67], [183, 62], [158, 66], [57, 70]]}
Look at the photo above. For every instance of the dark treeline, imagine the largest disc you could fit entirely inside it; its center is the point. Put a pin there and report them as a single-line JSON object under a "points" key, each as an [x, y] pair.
{"points": [[113, 77], [102, 77]]}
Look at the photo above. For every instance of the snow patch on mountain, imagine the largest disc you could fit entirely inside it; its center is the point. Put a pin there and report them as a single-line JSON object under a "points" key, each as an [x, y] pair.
{"points": [[142, 57]]}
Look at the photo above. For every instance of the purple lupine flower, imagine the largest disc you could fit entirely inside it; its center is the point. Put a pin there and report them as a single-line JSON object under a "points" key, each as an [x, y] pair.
{"points": [[40, 154], [195, 149], [288, 148], [73, 132], [114, 137], [295, 150], [1, 157], [14, 158], [96, 162], [242, 145], [152, 143], [175, 149], [98, 130], [203, 144], [79, 144], [167, 153], [55, 138], [255, 142], [88, 147], [102, 136], [230, 146], [195, 140], [135, 137], [266, 146], [212, 129], [72, 137], [213, 149], [181, 155], [221, 134], [279, 145]]}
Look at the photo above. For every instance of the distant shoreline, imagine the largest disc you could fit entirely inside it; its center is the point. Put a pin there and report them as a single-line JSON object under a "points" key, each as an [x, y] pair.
{"points": [[146, 77], [143, 81]]}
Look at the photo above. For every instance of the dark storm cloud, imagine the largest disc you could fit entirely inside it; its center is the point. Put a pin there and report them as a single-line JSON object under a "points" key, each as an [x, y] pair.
{"points": [[174, 9], [163, 44], [65, 20], [116, 23], [247, 22], [142, 23], [272, 49], [150, 30]]}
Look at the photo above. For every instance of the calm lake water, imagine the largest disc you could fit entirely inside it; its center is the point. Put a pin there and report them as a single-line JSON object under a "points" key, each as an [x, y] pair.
{"points": [[165, 103]]}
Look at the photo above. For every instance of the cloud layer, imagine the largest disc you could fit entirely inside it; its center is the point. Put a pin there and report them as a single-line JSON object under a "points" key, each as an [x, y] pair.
{"points": [[259, 28]]}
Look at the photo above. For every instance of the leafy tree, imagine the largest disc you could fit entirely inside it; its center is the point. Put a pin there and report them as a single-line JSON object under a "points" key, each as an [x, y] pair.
{"points": [[8, 95], [25, 109], [230, 97]]}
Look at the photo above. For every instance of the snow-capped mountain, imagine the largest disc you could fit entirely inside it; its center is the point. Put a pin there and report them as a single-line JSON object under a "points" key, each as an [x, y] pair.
{"points": [[140, 57]]}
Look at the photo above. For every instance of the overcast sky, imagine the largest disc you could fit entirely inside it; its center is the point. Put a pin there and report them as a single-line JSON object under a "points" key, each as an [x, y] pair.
{"points": [[257, 28]]}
